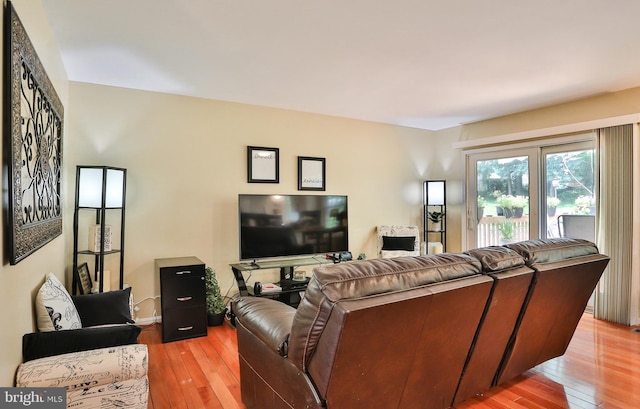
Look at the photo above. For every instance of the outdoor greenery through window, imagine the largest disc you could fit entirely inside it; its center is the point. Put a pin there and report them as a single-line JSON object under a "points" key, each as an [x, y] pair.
{"points": [[512, 205], [570, 190], [570, 184], [503, 200]]}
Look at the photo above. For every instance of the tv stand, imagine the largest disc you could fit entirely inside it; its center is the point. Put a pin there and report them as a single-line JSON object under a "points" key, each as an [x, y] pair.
{"points": [[290, 287]]}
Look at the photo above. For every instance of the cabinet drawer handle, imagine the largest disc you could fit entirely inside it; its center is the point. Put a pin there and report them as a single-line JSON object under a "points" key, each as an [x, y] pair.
{"points": [[179, 273], [185, 328], [184, 298]]}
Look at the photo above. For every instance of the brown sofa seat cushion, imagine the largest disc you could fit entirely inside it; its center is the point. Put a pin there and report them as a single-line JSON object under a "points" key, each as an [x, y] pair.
{"points": [[359, 279]]}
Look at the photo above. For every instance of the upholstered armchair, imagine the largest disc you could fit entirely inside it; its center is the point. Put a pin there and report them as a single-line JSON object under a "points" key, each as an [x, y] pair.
{"points": [[398, 241], [87, 344], [98, 378], [79, 323]]}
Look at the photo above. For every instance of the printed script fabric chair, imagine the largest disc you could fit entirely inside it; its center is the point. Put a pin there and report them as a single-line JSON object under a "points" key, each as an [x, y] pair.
{"points": [[398, 241], [88, 345], [78, 323], [577, 226], [113, 377]]}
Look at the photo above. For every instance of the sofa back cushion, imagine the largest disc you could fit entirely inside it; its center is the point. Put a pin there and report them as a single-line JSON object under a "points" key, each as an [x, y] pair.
{"points": [[401, 349], [566, 273], [512, 283], [361, 279], [545, 251], [497, 258]]}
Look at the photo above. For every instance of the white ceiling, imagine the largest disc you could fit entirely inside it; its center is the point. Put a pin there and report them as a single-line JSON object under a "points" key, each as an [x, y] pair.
{"points": [[428, 64]]}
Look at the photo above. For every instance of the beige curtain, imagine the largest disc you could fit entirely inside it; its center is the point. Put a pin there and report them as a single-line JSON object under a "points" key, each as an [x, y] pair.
{"points": [[614, 223]]}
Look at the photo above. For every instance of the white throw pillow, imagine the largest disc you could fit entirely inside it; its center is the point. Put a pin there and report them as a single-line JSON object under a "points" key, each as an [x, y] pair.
{"points": [[54, 308]]}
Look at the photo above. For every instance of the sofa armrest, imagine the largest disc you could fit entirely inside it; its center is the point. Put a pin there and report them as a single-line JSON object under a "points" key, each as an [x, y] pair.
{"points": [[267, 319], [42, 344], [79, 370]]}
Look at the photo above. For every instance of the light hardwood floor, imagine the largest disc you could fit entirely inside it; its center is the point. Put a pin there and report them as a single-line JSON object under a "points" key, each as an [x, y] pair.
{"points": [[601, 369]]}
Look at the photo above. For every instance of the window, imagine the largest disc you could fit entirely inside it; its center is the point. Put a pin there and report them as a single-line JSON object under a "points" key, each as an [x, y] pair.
{"points": [[569, 191], [520, 193]]}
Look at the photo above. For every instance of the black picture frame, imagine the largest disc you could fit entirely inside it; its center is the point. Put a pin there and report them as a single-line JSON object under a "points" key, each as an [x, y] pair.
{"points": [[311, 173], [33, 127], [263, 165], [83, 279]]}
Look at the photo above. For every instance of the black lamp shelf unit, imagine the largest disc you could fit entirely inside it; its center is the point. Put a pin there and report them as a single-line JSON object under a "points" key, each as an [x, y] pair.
{"points": [[106, 199], [434, 200]]}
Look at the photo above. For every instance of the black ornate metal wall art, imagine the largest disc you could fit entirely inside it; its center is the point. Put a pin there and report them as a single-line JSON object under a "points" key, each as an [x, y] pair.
{"points": [[33, 123]]}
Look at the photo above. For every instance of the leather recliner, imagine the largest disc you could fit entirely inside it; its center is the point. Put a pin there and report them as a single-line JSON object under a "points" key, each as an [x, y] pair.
{"points": [[410, 332]]}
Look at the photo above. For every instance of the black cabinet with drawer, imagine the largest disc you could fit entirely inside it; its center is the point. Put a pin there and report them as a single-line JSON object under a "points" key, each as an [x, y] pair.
{"points": [[182, 297]]}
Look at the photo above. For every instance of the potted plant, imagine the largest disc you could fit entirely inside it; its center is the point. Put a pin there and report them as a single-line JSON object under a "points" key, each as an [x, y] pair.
{"points": [[216, 309], [436, 219], [519, 203], [507, 204], [481, 203], [552, 205], [507, 231], [497, 195], [586, 204]]}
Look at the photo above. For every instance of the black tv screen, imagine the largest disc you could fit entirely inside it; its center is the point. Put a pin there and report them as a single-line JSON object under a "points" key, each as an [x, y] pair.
{"points": [[292, 225]]}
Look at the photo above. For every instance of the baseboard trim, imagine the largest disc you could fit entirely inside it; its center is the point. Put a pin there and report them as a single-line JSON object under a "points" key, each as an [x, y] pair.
{"points": [[149, 320]]}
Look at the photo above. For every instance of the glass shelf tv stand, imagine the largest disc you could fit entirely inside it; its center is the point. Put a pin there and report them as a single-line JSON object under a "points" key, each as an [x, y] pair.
{"points": [[290, 288]]}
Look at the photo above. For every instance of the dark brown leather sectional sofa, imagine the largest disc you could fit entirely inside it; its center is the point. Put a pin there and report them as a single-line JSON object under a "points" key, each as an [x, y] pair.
{"points": [[415, 332]]}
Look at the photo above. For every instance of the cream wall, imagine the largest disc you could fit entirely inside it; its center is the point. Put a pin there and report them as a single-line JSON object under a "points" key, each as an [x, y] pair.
{"points": [[186, 164], [602, 106], [19, 283]]}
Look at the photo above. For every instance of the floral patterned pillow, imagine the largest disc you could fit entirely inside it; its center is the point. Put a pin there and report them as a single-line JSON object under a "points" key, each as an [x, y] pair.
{"points": [[55, 310]]}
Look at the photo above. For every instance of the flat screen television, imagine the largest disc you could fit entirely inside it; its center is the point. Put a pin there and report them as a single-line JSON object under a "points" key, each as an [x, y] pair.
{"points": [[292, 225]]}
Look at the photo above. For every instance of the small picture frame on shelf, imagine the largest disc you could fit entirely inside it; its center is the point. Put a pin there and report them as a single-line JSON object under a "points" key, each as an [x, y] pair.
{"points": [[83, 278], [311, 173], [263, 165]]}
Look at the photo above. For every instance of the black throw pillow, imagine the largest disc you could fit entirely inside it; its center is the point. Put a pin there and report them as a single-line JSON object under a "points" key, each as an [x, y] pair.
{"points": [[111, 307], [396, 243]]}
